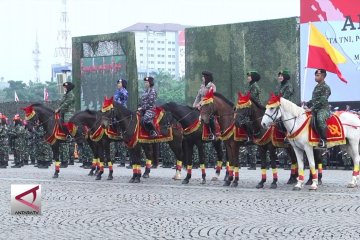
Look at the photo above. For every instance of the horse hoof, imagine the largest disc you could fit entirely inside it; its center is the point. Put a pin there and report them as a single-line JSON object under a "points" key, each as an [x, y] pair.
{"points": [[203, 181], [132, 180], [351, 185], [296, 188], [260, 185], [313, 188], [98, 177], [91, 174], [177, 176], [56, 175], [319, 182], [136, 180], [110, 178], [235, 184], [309, 182], [227, 183], [145, 175], [214, 179], [185, 181], [273, 186], [291, 180]]}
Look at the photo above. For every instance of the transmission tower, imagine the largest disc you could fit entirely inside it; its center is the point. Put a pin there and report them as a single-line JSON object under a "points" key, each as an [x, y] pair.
{"points": [[63, 51], [36, 58]]}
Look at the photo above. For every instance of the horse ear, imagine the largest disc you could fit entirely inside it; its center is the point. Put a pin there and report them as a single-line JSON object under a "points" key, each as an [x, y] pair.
{"points": [[111, 98], [248, 94], [239, 95]]}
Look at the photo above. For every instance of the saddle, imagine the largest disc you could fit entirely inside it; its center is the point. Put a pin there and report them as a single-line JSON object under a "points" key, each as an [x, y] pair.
{"points": [[161, 127], [206, 130], [334, 133]]}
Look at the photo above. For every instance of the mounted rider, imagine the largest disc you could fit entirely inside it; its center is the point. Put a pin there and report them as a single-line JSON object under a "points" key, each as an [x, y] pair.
{"points": [[66, 106], [252, 78], [206, 84], [147, 106], [319, 105]]}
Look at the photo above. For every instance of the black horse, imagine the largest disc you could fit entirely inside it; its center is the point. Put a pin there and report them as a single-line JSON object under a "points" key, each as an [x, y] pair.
{"points": [[39, 114], [249, 117], [188, 117], [127, 124], [86, 126]]}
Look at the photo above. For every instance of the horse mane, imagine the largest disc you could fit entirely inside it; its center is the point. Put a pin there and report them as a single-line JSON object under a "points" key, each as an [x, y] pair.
{"points": [[91, 112], [179, 111], [219, 95], [292, 107], [40, 105], [171, 105]]}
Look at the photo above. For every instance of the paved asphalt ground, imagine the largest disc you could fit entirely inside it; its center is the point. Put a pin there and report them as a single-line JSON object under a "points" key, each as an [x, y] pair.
{"points": [[76, 206]]}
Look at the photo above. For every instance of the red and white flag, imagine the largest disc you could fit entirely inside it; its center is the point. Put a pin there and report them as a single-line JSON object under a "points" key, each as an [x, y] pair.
{"points": [[46, 95], [16, 97]]}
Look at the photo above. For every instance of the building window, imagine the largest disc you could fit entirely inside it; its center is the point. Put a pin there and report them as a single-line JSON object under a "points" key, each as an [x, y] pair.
{"points": [[141, 54], [141, 41], [141, 48]]}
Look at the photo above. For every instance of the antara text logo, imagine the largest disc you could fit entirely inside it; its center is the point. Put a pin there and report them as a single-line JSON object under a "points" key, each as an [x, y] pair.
{"points": [[25, 199]]}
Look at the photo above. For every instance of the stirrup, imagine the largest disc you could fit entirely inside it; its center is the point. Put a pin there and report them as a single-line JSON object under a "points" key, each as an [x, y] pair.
{"points": [[211, 137], [153, 134], [322, 143]]}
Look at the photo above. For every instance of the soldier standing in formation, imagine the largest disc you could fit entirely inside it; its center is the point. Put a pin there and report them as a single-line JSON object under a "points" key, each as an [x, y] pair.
{"points": [[319, 105], [18, 133], [4, 143]]}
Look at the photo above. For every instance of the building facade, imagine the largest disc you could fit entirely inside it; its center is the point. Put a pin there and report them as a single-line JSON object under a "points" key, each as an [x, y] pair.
{"points": [[159, 48]]}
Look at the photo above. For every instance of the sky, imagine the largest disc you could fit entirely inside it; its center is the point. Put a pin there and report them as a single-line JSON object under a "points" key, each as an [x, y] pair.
{"points": [[22, 20]]}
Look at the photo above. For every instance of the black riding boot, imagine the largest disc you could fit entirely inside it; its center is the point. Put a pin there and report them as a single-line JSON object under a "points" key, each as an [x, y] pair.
{"points": [[250, 134], [212, 129], [322, 142], [151, 128]]}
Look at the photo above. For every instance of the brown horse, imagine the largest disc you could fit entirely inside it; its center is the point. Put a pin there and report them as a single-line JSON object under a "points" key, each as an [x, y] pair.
{"points": [[248, 116], [126, 123], [216, 105]]}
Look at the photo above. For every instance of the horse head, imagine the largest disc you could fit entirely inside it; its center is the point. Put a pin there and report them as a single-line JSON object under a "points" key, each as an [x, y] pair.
{"points": [[207, 108], [30, 114], [244, 110], [272, 113]]}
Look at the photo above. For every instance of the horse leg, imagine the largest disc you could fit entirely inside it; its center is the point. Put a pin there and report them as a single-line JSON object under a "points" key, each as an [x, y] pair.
{"points": [[106, 144], [352, 149], [294, 166], [55, 150], [263, 167], [188, 154], [273, 157], [177, 145], [236, 164], [149, 154], [200, 147], [135, 159], [230, 151], [310, 155], [95, 154], [101, 153], [300, 163], [219, 154]]}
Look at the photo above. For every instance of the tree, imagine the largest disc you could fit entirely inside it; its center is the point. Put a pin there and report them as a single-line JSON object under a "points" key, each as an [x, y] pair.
{"points": [[169, 88]]}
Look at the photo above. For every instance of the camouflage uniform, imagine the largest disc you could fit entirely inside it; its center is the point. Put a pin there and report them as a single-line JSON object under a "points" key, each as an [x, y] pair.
{"points": [[19, 146], [255, 91], [147, 108], [320, 106], [286, 90], [42, 150], [251, 152], [4, 146], [66, 106]]}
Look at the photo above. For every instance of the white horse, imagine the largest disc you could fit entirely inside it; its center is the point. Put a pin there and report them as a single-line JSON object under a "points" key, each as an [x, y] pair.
{"points": [[294, 117]]}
